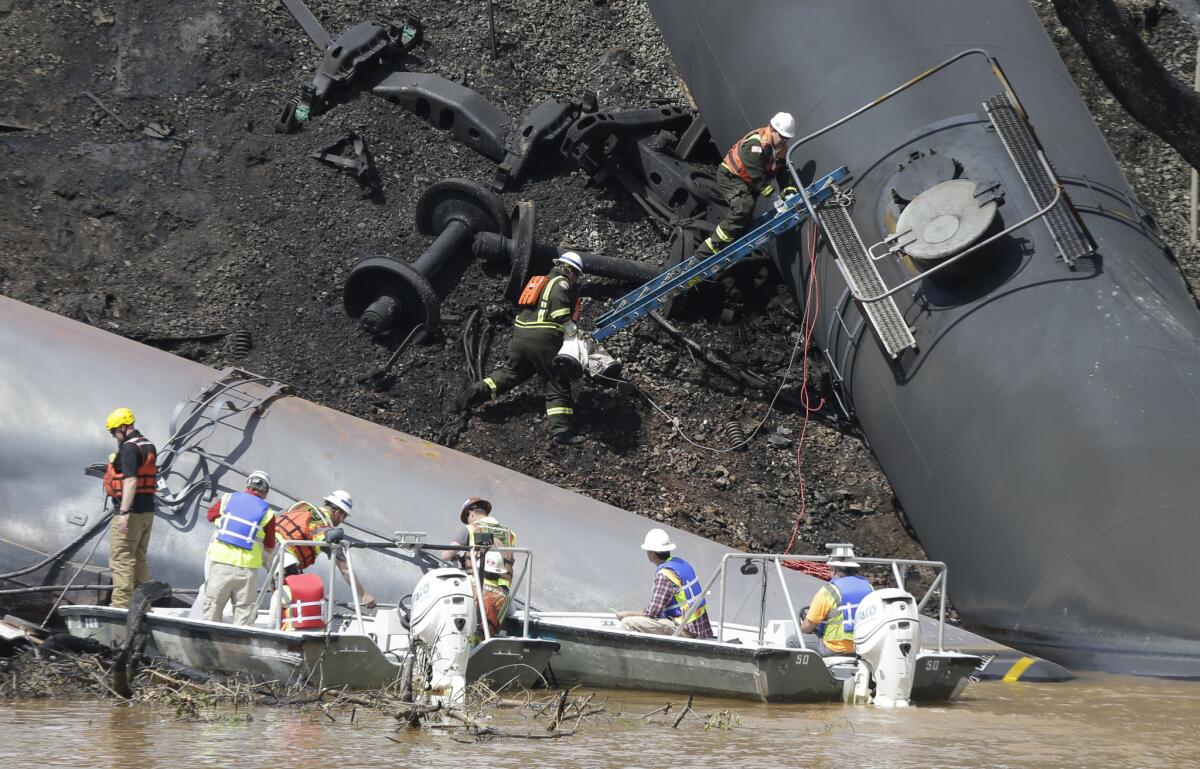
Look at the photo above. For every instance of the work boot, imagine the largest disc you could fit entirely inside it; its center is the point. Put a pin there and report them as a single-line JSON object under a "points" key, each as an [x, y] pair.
{"points": [[568, 438]]}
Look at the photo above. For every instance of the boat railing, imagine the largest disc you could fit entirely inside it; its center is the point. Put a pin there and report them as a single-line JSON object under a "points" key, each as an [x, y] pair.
{"points": [[720, 577], [400, 540]]}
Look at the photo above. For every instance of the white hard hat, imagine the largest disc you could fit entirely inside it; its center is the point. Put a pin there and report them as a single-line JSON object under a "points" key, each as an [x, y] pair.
{"points": [[657, 541], [842, 555], [341, 500], [571, 259], [257, 479], [493, 562], [784, 124]]}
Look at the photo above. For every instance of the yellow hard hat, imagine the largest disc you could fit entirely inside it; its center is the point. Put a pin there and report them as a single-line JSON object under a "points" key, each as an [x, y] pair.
{"points": [[121, 416]]}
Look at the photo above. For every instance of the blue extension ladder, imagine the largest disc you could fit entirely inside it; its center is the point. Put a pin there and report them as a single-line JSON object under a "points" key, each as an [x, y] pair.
{"points": [[650, 296]]}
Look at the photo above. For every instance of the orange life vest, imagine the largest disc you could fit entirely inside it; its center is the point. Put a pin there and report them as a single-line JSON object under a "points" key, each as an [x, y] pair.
{"points": [[296, 523], [304, 600], [733, 158], [147, 472], [532, 291]]}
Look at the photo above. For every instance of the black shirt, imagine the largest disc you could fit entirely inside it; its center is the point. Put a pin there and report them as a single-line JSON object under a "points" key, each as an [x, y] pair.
{"points": [[129, 459]]}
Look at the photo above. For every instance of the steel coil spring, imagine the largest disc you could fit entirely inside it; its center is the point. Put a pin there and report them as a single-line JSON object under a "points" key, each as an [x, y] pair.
{"points": [[240, 343], [735, 431]]}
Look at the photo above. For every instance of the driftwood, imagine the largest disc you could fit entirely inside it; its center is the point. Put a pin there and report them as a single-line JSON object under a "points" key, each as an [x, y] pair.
{"points": [[144, 596]]}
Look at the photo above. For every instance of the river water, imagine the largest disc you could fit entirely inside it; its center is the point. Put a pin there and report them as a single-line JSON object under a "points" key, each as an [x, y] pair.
{"points": [[1094, 721]]}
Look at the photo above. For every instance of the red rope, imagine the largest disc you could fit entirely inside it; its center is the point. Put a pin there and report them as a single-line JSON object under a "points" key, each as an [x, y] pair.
{"points": [[812, 309]]}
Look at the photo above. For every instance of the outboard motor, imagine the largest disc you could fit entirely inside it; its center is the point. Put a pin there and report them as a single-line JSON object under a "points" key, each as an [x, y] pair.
{"points": [[442, 623], [887, 638]]}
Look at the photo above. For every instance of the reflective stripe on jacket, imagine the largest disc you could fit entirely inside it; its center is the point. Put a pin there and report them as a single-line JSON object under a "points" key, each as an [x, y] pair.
{"points": [[848, 593], [771, 163], [683, 576], [303, 602], [235, 512], [147, 472], [488, 532], [545, 314]]}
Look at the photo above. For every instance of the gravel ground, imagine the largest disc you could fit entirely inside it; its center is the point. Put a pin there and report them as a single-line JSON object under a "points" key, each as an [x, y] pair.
{"points": [[232, 226]]}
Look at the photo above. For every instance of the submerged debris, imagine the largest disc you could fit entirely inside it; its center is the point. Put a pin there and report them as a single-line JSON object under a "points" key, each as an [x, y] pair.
{"points": [[50, 671]]}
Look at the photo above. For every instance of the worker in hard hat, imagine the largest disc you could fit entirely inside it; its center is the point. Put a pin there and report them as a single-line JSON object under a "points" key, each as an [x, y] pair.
{"points": [[306, 521], [245, 528], [480, 531], [831, 612], [676, 596], [130, 481], [547, 303], [494, 588], [755, 167]]}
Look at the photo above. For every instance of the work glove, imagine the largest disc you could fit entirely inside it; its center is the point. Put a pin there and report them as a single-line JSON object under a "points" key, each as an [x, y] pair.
{"points": [[787, 192], [780, 206]]}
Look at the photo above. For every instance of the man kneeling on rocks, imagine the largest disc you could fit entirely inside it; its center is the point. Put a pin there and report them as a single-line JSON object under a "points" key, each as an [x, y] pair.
{"points": [[675, 589]]}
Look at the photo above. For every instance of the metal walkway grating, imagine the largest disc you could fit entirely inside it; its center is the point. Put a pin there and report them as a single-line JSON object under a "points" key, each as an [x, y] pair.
{"points": [[1022, 147], [847, 244]]}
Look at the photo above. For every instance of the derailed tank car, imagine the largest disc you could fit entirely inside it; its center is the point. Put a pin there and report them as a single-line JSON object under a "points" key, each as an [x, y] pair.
{"points": [[1040, 428]]}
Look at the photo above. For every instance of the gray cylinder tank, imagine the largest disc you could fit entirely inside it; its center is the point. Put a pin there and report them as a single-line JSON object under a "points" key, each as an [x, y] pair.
{"points": [[1042, 437]]}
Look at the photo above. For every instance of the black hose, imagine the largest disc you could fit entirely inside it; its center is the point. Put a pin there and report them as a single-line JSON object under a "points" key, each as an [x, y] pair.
{"points": [[55, 556], [74, 588], [49, 588], [467, 338], [481, 357]]}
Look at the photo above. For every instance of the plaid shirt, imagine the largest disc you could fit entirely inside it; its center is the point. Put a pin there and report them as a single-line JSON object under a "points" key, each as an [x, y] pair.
{"points": [[662, 597]]}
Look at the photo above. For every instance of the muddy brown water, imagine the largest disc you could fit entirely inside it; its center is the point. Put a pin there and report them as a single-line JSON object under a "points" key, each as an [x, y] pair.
{"points": [[1094, 721]]}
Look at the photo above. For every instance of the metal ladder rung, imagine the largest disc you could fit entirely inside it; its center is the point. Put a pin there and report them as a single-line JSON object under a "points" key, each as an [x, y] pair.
{"points": [[1017, 137], [885, 317]]}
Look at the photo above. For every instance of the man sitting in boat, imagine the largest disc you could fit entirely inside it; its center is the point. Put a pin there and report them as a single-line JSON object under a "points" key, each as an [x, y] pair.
{"points": [[495, 595], [245, 527], [306, 521], [831, 613], [675, 588], [481, 530]]}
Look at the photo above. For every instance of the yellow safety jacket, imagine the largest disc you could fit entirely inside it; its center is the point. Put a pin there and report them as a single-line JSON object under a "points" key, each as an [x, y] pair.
{"points": [[487, 532], [553, 308], [221, 552]]}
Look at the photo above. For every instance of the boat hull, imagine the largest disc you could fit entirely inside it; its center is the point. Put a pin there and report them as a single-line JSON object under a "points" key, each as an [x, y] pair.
{"points": [[608, 657], [316, 659]]}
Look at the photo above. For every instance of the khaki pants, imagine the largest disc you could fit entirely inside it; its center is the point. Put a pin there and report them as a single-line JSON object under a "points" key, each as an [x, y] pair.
{"points": [[660, 626], [224, 583], [127, 556]]}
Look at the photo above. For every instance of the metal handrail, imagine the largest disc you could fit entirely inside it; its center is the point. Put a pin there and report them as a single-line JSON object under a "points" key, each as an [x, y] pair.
{"points": [[940, 584], [999, 73], [278, 568]]}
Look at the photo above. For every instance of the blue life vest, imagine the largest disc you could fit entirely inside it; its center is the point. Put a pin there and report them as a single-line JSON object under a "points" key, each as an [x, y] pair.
{"points": [[850, 591], [242, 516], [683, 575]]}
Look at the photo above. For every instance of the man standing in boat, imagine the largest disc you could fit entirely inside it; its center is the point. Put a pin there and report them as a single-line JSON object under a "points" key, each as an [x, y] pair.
{"points": [[831, 613], [482, 530], [130, 481], [245, 527], [306, 521], [675, 589]]}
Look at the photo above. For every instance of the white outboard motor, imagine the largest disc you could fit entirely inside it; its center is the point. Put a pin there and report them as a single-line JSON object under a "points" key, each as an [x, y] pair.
{"points": [[442, 622], [887, 638], [580, 354]]}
